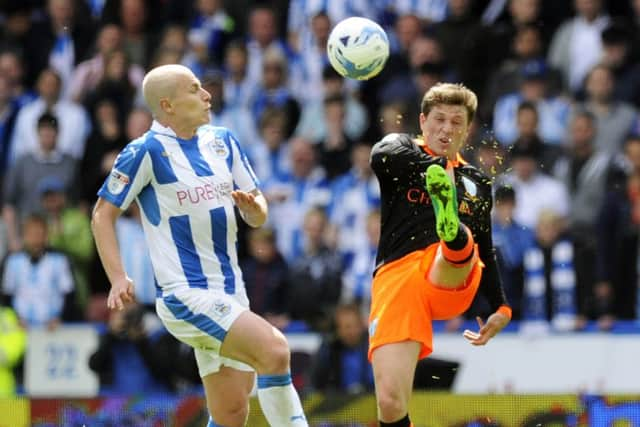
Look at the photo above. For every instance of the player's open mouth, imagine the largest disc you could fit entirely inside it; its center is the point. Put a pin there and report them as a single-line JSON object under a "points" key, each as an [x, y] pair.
{"points": [[444, 140]]}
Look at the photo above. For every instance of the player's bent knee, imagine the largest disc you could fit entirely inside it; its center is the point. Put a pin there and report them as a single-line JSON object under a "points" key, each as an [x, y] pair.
{"points": [[390, 404], [279, 354], [276, 356]]}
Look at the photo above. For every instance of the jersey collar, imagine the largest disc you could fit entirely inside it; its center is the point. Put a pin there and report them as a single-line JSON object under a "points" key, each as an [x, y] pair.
{"points": [[163, 130]]}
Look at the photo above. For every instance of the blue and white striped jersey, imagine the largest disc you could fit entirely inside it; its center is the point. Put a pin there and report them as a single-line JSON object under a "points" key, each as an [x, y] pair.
{"points": [[184, 189]]}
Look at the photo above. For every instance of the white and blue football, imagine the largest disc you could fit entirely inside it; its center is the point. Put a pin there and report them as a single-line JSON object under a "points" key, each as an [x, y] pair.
{"points": [[358, 48]]}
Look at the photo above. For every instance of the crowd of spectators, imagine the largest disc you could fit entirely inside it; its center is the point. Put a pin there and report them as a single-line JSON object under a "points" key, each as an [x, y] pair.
{"points": [[557, 129]]}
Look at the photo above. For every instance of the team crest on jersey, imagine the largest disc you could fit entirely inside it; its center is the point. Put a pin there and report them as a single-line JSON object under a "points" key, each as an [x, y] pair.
{"points": [[117, 182], [463, 207], [221, 308], [470, 186], [219, 147]]}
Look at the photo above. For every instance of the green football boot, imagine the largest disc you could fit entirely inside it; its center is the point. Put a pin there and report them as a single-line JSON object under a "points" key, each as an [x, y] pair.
{"points": [[444, 200]]}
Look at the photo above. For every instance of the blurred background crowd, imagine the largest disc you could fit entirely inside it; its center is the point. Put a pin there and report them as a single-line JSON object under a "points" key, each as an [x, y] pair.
{"points": [[557, 129]]}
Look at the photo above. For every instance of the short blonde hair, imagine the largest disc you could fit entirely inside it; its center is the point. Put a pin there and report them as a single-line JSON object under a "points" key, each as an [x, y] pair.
{"points": [[450, 94]]}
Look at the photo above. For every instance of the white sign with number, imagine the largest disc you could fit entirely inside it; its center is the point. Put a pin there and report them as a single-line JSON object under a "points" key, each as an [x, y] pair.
{"points": [[57, 362]]}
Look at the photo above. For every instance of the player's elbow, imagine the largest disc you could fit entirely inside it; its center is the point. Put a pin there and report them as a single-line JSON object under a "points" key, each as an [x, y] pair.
{"points": [[96, 217], [379, 157], [102, 215]]}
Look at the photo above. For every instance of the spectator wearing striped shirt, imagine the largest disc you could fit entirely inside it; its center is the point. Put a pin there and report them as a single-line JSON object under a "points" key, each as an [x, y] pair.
{"points": [[239, 88], [263, 37], [355, 195], [357, 276], [38, 281], [293, 194], [212, 25], [301, 12]]}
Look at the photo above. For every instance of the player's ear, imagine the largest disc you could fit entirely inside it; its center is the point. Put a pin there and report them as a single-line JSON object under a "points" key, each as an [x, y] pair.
{"points": [[422, 120], [467, 130], [165, 105]]}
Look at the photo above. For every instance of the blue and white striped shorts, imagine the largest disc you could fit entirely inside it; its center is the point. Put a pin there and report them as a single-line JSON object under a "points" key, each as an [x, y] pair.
{"points": [[202, 318]]}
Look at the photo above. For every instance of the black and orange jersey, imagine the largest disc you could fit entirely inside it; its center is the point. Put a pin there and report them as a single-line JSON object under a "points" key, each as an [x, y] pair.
{"points": [[408, 219]]}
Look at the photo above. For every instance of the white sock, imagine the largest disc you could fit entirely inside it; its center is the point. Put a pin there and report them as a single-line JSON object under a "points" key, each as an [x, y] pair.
{"points": [[280, 402]]}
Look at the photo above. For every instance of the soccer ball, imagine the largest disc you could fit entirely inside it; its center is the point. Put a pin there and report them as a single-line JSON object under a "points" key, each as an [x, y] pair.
{"points": [[358, 48]]}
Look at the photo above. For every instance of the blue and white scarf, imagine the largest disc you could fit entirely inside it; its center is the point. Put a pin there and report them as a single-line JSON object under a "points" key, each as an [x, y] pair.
{"points": [[563, 284]]}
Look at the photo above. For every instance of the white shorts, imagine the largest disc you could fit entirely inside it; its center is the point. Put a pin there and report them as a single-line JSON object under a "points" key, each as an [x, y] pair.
{"points": [[202, 318]]}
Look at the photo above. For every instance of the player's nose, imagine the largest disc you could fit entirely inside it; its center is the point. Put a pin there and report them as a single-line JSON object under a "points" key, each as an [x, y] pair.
{"points": [[448, 127], [206, 96]]}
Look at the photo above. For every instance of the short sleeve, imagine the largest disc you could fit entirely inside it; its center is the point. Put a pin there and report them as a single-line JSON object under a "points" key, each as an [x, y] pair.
{"points": [[244, 178], [131, 172]]}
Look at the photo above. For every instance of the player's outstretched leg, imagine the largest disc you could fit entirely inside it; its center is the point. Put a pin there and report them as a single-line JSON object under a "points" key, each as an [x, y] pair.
{"points": [[456, 253]]}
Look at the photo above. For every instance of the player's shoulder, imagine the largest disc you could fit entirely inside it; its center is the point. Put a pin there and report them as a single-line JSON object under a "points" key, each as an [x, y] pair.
{"points": [[395, 141], [138, 146], [397, 138], [134, 153]]}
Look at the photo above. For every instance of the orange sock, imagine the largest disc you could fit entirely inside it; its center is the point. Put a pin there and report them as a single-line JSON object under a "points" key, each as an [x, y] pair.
{"points": [[459, 257]]}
